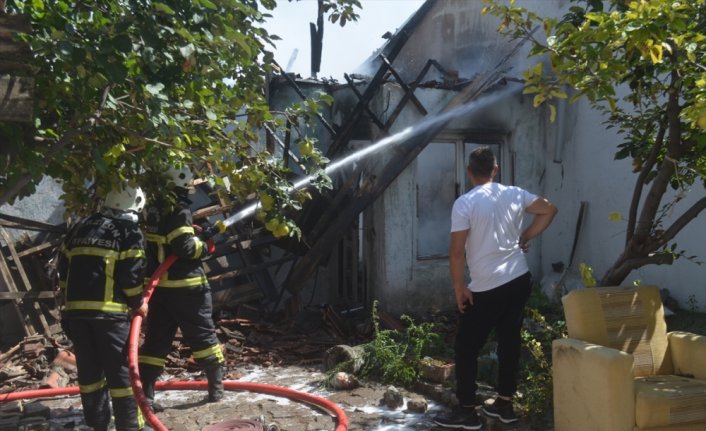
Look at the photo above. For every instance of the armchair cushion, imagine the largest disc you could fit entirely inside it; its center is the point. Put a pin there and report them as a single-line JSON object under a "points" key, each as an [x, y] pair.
{"points": [[688, 354], [630, 319], [669, 401], [593, 387]]}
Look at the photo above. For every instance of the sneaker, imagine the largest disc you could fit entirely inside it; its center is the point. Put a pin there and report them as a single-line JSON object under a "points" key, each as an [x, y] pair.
{"points": [[460, 418], [501, 409]]}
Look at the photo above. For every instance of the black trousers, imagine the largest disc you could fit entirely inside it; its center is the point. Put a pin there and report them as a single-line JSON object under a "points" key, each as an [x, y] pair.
{"points": [[101, 359], [189, 309], [502, 309]]}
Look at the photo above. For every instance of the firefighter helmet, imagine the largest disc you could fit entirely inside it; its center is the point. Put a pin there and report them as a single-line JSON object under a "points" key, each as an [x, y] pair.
{"points": [[181, 177], [126, 199]]}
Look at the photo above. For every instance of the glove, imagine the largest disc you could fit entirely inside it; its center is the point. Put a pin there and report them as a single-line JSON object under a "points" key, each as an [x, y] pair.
{"points": [[210, 246], [211, 230]]}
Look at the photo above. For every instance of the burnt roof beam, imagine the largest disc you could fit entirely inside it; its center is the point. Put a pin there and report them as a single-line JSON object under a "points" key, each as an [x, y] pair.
{"points": [[391, 50], [301, 94], [372, 115], [405, 87]]}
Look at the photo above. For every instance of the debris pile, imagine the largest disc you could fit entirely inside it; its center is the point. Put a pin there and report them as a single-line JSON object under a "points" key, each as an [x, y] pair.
{"points": [[40, 361]]}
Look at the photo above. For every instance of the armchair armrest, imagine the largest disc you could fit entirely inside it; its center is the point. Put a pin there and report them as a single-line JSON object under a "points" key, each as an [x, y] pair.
{"points": [[594, 387], [688, 354]]}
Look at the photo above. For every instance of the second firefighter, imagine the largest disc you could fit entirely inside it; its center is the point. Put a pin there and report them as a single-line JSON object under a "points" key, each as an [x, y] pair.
{"points": [[182, 298]]}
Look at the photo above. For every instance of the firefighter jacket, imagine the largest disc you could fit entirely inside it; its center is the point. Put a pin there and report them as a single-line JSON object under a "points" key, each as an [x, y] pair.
{"points": [[102, 266], [170, 231]]}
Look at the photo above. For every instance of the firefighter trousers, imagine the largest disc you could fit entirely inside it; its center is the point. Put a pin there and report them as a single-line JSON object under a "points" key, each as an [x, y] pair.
{"points": [[190, 310], [100, 346]]}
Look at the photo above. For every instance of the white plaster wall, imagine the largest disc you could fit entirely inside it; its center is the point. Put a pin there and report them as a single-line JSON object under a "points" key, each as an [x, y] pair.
{"points": [[589, 172], [44, 205]]}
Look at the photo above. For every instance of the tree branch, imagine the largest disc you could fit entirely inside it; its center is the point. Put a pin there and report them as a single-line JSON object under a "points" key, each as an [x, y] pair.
{"points": [[682, 221], [640, 183], [15, 188], [650, 206], [617, 274]]}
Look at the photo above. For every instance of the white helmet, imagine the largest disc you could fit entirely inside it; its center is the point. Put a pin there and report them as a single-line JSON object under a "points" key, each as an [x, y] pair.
{"points": [[126, 199], [181, 177]]}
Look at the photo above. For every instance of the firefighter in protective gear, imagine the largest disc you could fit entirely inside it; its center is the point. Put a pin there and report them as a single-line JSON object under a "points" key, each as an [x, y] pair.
{"points": [[182, 297], [102, 271]]}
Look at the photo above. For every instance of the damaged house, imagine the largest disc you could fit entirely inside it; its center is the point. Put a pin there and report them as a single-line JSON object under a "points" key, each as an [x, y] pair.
{"points": [[442, 84]]}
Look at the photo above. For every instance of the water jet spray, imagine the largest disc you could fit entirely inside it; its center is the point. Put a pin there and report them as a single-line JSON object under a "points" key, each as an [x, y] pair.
{"points": [[400, 137]]}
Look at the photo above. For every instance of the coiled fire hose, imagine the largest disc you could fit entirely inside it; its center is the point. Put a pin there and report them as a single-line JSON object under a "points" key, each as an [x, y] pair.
{"points": [[141, 399]]}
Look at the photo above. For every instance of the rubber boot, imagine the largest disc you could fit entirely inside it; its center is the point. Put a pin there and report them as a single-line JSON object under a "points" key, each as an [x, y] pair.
{"points": [[126, 414], [96, 409], [148, 389], [214, 374]]}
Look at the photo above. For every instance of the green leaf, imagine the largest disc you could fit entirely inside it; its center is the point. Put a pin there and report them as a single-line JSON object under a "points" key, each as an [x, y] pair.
{"points": [[117, 72], [65, 48], [187, 50], [161, 7], [122, 43], [154, 88], [208, 4]]}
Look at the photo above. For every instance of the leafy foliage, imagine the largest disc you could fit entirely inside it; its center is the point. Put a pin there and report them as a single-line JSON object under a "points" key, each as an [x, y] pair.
{"points": [[396, 357], [127, 88], [543, 324], [640, 62]]}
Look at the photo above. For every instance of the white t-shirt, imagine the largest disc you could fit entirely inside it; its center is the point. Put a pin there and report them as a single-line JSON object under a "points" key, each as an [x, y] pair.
{"points": [[492, 213]]}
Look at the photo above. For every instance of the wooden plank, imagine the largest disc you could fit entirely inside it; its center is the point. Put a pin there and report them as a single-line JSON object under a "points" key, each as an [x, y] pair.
{"points": [[41, 247], [249, 269], [13, 50], [210, 211], [23, 276], [8, 67], [41, 294], [16, 98], [10, 284], [15, 23], [23, 223]]}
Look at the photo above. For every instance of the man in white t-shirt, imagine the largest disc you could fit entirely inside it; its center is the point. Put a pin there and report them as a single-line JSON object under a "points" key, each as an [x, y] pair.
{"points": [[487, 236]]}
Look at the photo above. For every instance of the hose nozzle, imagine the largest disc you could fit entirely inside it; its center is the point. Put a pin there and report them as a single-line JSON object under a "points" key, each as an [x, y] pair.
{"points": [[220, 226], [216, 228]]}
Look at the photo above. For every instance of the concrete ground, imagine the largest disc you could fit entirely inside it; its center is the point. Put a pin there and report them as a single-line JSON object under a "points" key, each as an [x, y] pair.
{"points": [[187, 411]]}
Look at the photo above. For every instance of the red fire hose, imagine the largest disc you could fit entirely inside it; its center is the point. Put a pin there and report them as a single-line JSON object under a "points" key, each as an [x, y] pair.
{"points": [[139, 393]]}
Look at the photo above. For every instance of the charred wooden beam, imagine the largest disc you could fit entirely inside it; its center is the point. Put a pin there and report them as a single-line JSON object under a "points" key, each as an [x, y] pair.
{"points": [[373, 116], [12, 288], [249, 269], [23, 223], [408, 94], [301, 94], [15, 23], [16, 97], [23, 276], [390, 51], [380, 179], [408, 91], [31, 295]]}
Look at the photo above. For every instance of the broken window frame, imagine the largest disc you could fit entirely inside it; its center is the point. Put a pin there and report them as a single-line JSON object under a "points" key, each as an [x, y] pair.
{"points": [[463, 143]]}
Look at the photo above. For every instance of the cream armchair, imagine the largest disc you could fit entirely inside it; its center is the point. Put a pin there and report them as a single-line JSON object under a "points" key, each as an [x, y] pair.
{"points": [[620, 370]]}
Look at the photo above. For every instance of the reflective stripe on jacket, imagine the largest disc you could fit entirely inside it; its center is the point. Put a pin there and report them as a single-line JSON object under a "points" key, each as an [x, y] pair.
{"points": [[102, 267], [172, 232]]}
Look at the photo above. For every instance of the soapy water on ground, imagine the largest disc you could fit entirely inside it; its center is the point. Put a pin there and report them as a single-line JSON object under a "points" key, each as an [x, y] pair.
{"points": [[186, 410]]}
